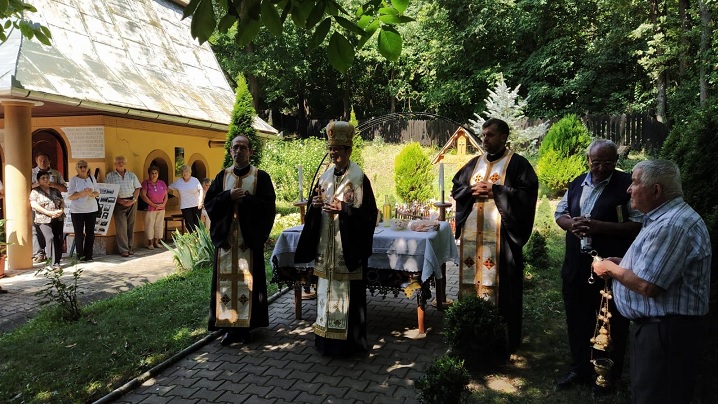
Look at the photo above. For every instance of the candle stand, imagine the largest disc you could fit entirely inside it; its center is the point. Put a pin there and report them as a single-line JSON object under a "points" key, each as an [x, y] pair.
{"points": [[302, 293], [441, 301]]}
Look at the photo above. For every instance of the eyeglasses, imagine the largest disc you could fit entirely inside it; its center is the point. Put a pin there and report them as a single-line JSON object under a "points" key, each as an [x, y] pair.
{"points": [[81, 166], [597, 164]]}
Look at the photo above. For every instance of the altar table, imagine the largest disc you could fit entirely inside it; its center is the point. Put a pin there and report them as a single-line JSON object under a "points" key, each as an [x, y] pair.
{"points": [[403, 260]]}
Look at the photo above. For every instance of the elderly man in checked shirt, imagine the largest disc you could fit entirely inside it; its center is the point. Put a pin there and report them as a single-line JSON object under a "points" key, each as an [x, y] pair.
{"points": [[126, 206], [662, 285]]}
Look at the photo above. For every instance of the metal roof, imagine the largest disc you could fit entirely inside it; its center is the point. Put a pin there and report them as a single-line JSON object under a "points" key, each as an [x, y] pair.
{"points": [[124, 57]]}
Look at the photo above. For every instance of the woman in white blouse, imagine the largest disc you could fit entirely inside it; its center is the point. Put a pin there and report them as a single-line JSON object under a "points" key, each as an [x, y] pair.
{"points": [[191, 197], [83, 191]]}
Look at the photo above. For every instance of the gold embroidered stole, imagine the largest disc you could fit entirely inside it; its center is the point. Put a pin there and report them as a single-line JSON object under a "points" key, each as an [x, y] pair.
{"points": [[330, 268], [234, 265], [481, 235]]}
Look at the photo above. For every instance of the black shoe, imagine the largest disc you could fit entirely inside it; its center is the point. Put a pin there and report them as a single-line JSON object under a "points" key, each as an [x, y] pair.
{"points": [[229, 338], [245, 336], [571, 379], [600, 391]]}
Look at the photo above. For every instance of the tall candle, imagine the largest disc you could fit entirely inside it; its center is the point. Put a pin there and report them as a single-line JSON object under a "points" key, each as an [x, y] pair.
{"points": [[441, 178], [301, 181]]}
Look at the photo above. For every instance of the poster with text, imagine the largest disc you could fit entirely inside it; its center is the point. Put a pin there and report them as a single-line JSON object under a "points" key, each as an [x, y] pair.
{"points": [[107, 201]]}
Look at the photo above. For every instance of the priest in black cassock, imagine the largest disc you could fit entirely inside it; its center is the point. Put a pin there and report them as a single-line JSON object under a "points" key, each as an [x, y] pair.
{"points": [[495, 196], [241, 205], [337, 235]]}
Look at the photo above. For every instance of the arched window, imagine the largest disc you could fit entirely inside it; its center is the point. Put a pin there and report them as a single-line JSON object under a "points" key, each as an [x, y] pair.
{"points": [[49, 142]]}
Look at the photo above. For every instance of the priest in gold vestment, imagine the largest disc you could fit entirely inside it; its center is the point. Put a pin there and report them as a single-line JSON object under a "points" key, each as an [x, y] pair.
{"points": [[337, 235], [495, 198], [241, 205]]}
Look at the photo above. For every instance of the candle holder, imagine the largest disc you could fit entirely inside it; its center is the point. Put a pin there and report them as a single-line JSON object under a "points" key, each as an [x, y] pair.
{"points": [[441, 283], [302, 208]]}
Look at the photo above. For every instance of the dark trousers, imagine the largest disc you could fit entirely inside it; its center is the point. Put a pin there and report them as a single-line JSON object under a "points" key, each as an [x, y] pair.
{"points": [[38, 240], [84, 227], [52, 235], [191, 217], [663, 358], [581, 301]]}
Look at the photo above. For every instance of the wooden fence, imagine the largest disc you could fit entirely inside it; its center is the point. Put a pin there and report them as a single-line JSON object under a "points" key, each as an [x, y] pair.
{"points": [[639, 131]]}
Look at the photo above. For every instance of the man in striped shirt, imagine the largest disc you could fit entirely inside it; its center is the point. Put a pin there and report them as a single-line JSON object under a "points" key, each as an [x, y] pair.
{"points": [[662, 285], [126, 206]]}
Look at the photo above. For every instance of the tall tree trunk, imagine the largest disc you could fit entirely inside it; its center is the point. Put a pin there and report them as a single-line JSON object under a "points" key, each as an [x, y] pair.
{"points": [[706, 35], [683, 6], [661, 76], [346, 98], [253, 84]]}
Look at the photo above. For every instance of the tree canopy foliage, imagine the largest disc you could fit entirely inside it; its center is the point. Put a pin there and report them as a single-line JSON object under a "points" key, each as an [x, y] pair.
{"points": [[13, 16], [346, 32], [567, 56]]}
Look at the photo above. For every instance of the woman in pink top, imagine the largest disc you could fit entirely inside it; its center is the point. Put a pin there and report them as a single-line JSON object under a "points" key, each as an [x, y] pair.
{"points": [[154, 192]]}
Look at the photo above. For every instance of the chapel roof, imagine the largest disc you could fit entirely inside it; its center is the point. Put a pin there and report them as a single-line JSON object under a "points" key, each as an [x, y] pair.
{"points": [[132, 58]]}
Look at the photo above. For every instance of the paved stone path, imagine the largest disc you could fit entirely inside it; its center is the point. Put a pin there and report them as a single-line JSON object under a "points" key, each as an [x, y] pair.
{"points": [[280, 365]]}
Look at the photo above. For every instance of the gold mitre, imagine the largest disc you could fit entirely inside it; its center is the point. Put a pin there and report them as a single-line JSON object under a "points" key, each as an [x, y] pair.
{"points": [[340, 133]]}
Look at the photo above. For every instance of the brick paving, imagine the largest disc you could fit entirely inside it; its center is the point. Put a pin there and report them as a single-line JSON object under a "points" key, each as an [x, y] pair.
{"points": [[280, 365]]}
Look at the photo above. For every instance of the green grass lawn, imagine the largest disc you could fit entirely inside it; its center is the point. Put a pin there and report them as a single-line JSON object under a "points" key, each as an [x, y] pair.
{"points": [[48, 360]]}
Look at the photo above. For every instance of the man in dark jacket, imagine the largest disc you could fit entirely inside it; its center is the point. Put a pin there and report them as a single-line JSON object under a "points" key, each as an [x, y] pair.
{"points": [[596, 207]]}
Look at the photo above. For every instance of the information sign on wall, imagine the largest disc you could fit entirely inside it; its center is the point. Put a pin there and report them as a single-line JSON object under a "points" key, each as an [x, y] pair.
{"points": [[86, 142]]}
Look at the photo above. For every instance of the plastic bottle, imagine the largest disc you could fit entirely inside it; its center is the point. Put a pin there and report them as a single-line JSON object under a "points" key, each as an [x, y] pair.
{"points": [[586, 242], [386, 210]]}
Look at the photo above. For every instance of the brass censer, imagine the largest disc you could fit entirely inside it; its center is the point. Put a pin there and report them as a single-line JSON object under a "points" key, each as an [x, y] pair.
{"points": [[602, 334]]}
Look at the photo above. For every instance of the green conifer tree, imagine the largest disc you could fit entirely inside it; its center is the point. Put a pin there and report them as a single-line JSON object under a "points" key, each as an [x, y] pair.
{"points": [[412, 174], [357, 141], [242, 117]]}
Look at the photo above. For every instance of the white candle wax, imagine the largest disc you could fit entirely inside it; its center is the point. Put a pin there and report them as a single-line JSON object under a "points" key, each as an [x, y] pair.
{"points": [[301, 181], [441, 177]]}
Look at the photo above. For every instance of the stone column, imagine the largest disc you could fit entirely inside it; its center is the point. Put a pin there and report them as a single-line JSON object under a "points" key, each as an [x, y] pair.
{"points": [[18, 165]]}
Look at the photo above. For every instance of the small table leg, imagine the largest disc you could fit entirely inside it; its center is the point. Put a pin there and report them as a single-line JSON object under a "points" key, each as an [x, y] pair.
{"points": [[298, 301], [421, 299], [420, 310]]}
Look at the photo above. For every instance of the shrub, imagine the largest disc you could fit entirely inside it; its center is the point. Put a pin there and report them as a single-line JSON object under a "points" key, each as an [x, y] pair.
{"points": [[445, 381], [545, 222], [474, 331], [556, 172], [63, 294], [692, 145], [535, 251], [412, 174], [562, 153], [282, 159], [193, 250]]}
